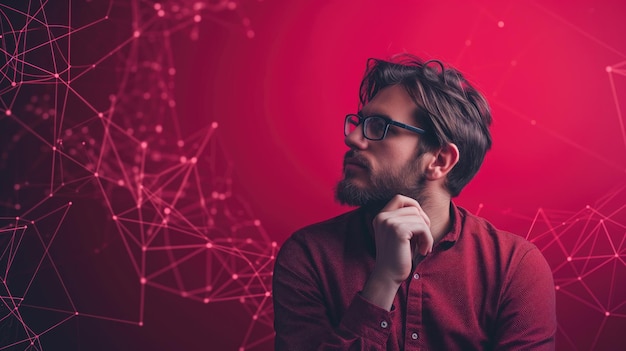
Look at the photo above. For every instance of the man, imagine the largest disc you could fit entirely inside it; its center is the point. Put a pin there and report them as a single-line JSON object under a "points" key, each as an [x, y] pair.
{"points": [[408, 269]]}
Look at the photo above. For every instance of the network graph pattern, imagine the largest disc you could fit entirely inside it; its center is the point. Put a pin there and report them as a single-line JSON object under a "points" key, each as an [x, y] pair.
{"points": [[166, 198]]}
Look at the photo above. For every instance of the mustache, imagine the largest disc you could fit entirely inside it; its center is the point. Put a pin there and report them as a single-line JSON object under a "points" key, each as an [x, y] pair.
{"points": [[352, 157]]}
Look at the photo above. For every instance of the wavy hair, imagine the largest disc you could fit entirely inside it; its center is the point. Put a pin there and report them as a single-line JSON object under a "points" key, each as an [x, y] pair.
{"points": [[451, 110]]}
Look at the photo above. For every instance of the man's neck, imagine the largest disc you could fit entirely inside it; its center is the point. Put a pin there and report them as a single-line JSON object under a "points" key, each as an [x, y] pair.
{"points": [[437, 207]]}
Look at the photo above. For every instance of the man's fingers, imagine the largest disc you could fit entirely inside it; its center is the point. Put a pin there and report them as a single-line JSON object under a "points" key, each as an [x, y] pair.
{"points": [[400, 201]]}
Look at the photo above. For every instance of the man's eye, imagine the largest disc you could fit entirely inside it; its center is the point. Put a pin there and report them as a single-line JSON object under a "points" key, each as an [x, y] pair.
{"points": [[377, 124]]}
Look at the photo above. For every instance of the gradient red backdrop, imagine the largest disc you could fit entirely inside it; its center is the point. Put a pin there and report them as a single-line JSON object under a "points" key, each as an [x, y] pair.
{"points": [[279, 76]]}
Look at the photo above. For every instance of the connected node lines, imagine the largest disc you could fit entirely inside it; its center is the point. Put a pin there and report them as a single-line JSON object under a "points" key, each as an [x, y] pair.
{"points": [[106, 201], [89, 122]]}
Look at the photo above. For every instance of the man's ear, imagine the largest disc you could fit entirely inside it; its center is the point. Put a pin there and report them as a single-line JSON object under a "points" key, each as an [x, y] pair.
{"points": [[442, 161]]}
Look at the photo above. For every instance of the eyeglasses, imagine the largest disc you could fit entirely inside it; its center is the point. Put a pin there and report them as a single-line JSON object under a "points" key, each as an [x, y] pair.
{"points": [[374, 127]]}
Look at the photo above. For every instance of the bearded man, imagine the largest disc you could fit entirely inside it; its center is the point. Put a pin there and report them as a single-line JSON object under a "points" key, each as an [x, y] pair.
{"points": [[408, 269]]}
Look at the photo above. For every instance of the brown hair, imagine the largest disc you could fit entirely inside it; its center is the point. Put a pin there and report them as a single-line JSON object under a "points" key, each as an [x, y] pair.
{"points": [[451, 109]]}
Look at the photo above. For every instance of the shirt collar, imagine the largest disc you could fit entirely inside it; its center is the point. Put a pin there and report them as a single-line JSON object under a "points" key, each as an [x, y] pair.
{"points": [[456, 219]]}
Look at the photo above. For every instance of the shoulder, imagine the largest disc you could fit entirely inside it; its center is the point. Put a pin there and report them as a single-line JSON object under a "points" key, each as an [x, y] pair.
{"points": [[331, 234], [481, 231], [507, 253]]}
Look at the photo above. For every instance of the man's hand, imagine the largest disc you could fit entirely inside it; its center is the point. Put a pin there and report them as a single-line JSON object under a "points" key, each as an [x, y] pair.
{"points": [[402, 231]]}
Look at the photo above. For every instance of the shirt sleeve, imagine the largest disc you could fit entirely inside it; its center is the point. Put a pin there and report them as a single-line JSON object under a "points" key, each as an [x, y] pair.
{"points": [[301, 316], [527, 315]]}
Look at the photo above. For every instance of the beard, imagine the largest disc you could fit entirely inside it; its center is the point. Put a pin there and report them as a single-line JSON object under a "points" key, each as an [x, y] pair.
{"points": [[384, 184]]}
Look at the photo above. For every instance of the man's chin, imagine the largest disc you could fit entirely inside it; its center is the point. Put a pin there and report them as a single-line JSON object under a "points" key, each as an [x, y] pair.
{"points": [[352, 192]]}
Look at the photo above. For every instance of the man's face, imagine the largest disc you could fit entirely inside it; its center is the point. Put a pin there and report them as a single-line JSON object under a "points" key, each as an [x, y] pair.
{"points": [[375, 171]]}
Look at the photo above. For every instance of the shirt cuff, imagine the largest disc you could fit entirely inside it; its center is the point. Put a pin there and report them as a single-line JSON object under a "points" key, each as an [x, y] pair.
{"points": [[368, 320]]}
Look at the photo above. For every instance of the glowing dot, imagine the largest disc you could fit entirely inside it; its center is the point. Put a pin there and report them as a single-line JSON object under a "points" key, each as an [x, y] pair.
{"points": [[257, 222], [76, 313], [96, 174], [167, 210], [100, 115], [143, 280], [7, 112], [184, 294], [206, 300], [157, 6], [267, 294], [607, 313], [214, 125], [171, 71], [114, 218], [609, 69], [56, 75], [70, 203], [533, 122], [232, 5], [500, 24], [13, 84], [209, 245], [143, 248], [180, 143], [222, 196], [120, 182], [580, 278], [235, 276], [274, 244], [144, 144], [250, 33], [209, 287], [54, 148], [172, 103], [255, 317], [569, 259], [557, 287], [197, 18], [160, 13], [140, 324], [136, 34], [183, 159], [587, 207], [616, 255]]}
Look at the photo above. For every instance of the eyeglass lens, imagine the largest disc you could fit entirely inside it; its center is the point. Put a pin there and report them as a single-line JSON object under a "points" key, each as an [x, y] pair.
{"points": [[373, 128]]}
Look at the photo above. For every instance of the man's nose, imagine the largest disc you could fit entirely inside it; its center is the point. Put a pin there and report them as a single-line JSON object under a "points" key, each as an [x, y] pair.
{"points": [[355, 139]]}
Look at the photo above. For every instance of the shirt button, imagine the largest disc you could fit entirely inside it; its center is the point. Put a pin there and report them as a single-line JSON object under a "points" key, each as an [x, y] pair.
{"points": [[415, 336], [384, 324], [416, 276]]}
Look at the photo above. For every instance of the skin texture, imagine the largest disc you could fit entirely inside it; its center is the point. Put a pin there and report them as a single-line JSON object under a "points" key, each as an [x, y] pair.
{"points": [[415, 217]]}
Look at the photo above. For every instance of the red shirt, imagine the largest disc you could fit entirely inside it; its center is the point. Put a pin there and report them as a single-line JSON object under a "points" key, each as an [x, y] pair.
{"points": [[480, 289]]}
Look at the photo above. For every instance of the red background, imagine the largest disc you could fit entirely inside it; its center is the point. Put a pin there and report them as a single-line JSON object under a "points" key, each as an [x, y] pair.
{"points": [[279, 99]]}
